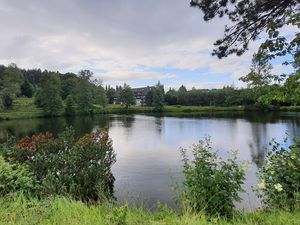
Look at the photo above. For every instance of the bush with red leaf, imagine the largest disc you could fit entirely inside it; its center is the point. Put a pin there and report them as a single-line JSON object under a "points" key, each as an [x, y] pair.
{"points": [[80, 168]]}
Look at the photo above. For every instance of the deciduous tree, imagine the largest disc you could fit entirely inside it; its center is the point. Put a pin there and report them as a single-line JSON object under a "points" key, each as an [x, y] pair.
{"points": [[11, 80], [84, 96], [70, 109], [27, 89], [49, 95], [248, 19], [158, 98], [127, 96]]}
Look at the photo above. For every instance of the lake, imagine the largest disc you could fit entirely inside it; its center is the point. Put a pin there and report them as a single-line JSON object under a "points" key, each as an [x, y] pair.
{"points": [[147, 146]]}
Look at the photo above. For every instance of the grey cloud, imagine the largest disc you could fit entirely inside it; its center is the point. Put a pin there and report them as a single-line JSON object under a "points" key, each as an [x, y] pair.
{"points": [[68, 34], [117, 23]]}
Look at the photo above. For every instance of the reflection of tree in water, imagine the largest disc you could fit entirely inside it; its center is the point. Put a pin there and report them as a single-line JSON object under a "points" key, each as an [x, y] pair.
{"points": [[262, 117], [158, 124], [81, 125], [294, 127], [20, 128], [259, 117], [127, 121], [257, 146], [52, 125], [86, 124], [9, 131]]}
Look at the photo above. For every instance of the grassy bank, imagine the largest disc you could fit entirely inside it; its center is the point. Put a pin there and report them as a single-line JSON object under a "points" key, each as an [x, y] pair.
{"points": [[174, 109], [24, 108], [63, 211]]}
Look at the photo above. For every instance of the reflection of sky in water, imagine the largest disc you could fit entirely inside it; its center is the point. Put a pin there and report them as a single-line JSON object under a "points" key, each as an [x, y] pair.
{"points": [[147, 151], [148, 147]]}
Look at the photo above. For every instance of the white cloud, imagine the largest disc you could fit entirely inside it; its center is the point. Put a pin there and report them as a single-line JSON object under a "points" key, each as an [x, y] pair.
{"points": [[130, 75], [197, 85], [280, 69]]}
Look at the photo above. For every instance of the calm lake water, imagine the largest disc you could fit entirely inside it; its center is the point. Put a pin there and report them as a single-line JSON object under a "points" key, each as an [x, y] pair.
{"points": [[147, 147]]}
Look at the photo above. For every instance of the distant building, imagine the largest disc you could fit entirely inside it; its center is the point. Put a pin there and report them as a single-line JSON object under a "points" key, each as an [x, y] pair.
{"points": [[140, 94]]}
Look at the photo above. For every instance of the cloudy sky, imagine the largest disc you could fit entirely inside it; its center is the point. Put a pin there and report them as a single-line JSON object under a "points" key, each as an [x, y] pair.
{"points": [[132, 41]]}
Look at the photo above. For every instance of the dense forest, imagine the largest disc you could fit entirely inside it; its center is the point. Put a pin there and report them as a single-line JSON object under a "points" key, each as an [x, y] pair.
{"points": [[53, 91]]}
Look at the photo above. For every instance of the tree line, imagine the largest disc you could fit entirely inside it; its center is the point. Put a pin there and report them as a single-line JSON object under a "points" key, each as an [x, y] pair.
{"points": [[66, 93], [286, 93], [70, 93], [264, 89], [55, 92]]}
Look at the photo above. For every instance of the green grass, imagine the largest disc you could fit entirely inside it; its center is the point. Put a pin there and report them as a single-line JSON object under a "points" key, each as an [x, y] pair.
{"points": [[22, 108], [174, 109], [290, 108], [19, 210]]}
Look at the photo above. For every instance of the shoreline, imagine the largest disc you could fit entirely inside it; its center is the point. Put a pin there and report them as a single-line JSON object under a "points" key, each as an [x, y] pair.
{"points": [[25, 109]]}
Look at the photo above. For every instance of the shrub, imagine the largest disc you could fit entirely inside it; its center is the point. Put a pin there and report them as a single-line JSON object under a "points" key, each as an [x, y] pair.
{"points": [[279, 177], [15, 178], [90, 162], [66, 166], [210, 183]]}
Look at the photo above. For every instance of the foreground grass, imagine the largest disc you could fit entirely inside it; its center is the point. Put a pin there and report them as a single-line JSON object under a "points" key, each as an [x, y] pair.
{"points": [[19, 210], [24, 108]]}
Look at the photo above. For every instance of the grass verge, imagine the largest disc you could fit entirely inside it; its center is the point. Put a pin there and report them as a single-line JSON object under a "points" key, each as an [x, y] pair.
{"points": [[19, 210]]}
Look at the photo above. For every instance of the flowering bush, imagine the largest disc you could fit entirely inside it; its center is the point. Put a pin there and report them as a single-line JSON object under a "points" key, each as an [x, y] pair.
{"points": [[38, 152], [279, 177], [66, 166], [210, 183]]}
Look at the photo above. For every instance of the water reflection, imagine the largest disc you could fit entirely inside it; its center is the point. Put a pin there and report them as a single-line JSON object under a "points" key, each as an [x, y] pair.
{"points": [[147, 146], [159, 124], [257, 144], [127, 120]]}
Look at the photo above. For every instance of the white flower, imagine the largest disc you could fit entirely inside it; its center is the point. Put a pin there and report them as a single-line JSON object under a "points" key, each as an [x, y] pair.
{"points": [[262, 185], [278, 187], [272, 172], [245, 166]]}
